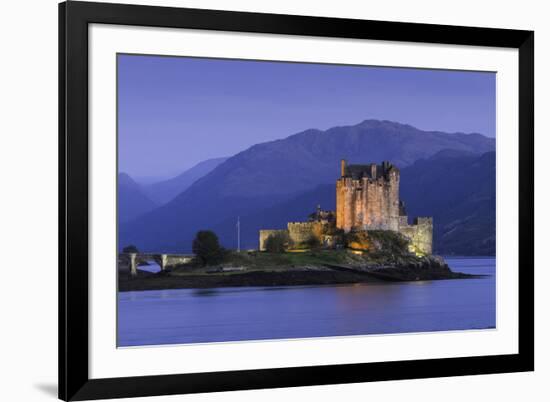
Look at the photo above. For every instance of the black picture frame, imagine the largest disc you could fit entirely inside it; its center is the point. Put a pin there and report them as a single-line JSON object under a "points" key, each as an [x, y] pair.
{"points": [[74, 381]]}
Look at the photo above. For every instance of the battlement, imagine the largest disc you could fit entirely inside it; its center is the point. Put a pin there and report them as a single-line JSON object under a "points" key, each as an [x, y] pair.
{"points": [[321, 215], [370, 171], [423, 220]]}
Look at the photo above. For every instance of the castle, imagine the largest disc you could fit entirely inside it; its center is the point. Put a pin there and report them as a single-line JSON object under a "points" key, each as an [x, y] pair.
{"points": [[367, 198]]}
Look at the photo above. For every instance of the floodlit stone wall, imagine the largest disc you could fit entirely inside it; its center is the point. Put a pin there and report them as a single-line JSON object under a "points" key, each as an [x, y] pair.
{"points": [[368, 202], [265, 233], [420, 235], [303, 232]]}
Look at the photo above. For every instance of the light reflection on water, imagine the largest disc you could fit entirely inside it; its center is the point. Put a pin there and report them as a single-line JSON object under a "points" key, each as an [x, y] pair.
{"points": [[253, 313]]}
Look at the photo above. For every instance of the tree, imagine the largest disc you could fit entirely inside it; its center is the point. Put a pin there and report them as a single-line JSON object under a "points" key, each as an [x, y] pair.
{"points": [[206, 248], [276, 243], [314, 242], [131, 249]]}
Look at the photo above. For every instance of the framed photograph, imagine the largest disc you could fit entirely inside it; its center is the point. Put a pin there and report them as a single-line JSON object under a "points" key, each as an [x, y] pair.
{"points": [[258, 201]]}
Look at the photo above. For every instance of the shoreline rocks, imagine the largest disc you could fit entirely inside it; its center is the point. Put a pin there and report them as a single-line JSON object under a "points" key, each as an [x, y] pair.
{"points": [[419, 269]]}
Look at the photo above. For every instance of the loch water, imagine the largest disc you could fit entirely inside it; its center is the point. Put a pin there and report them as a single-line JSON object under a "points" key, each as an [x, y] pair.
{"points": [[179, 316]]}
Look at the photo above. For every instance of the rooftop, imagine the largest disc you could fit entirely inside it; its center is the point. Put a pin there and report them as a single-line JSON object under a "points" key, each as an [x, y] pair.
{"points": [[371, 170]]}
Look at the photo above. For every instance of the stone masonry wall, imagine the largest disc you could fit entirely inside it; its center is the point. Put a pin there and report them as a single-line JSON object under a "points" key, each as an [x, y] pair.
{"points": [[368, 203], [265, 233], [299, 233], [302, 232], [420, 235]]}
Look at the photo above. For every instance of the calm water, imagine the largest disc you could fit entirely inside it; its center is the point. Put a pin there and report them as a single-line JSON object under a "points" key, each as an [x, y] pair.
{"points": [[236, 314]]}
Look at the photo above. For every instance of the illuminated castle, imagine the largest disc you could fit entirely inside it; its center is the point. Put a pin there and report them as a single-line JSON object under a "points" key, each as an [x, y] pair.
{"points": [[367, 198]]}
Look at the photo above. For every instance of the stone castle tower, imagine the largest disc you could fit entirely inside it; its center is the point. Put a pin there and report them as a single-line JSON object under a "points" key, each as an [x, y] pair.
{"points": [[367, 197]]}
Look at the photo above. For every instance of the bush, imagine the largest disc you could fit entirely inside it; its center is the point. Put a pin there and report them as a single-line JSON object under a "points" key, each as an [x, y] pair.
{"points": [[276, 243], [313, 243], [388, 241], [332, 230], [378, 241], [206, 248], [358, 240]]}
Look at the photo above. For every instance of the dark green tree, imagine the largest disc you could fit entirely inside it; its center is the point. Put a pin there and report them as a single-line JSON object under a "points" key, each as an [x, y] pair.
{"points": [[131, 249], [206, 248]]}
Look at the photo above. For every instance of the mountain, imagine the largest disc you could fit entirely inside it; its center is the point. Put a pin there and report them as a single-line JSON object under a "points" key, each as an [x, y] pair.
{"points": [[132, 201], [456, 188], [166, 190], [271, 173], [303, 161], [452, 153], [460, 193]]}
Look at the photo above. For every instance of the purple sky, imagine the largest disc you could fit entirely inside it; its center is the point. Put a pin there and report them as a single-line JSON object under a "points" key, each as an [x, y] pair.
{"points": [[175, 111]]}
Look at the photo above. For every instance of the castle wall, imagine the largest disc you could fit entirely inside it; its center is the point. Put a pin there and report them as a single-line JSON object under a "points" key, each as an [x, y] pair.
{"points": [[302, 232], [368, 203], [343, 198], [265, 233], [420, 235]]}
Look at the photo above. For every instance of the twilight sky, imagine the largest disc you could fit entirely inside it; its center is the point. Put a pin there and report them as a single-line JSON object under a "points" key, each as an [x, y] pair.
{"points": [[175, 111]]}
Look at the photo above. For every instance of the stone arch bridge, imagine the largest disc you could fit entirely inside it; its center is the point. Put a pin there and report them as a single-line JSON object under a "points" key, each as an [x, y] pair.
{"points": [[130, 261]]}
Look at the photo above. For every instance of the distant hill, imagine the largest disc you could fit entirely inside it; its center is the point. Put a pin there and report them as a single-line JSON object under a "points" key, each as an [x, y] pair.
{"points": [[164, 191], [460, 193], [132, 201], [271, 173]]}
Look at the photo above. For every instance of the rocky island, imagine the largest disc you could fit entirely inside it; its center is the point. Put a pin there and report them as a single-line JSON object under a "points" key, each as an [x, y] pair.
{"points": [[292, 269], [367, 239]]}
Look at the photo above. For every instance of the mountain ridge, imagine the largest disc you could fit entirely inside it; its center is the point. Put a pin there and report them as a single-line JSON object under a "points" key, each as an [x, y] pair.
{"points": [[132, 200], [269, 173], [164, 191]]}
